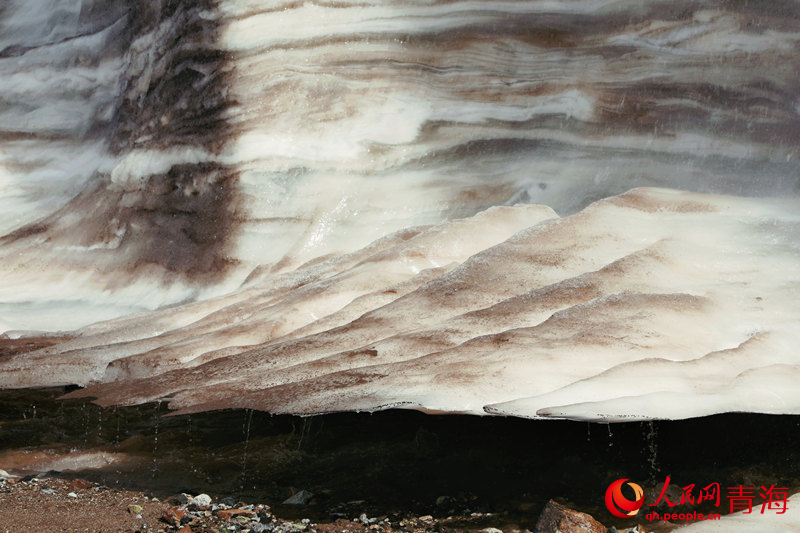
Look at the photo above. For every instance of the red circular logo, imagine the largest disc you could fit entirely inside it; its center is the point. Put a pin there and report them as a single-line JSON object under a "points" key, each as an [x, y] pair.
{"points": [[619, 505]]}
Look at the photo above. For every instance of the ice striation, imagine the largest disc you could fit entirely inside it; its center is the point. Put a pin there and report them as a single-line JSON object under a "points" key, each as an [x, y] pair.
{"points": [[581, 210], [652, 304]]}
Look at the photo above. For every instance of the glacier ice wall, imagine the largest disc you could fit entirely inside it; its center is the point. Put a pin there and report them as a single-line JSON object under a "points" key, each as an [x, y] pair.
{"points": [[316, 206]]}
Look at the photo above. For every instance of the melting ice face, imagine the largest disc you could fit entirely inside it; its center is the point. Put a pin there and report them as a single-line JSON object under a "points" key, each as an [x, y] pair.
{"points": [[316, 207]]}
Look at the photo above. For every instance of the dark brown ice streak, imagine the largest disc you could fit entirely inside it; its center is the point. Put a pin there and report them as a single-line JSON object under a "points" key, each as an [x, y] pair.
{"points": [[187, 215], [186, 227], [172, 96], [186, 95], [759, 112]]}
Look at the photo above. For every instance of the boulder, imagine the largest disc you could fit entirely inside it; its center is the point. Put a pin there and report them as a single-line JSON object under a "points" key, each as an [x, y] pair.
{"points": [[559, 518]]}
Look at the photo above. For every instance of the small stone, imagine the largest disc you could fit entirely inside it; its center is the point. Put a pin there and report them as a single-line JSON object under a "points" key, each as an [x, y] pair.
{"points": [[47, 491], [262, 528], [79, 484], [183, 499], [72, 495], [557, 517], [174, 515], [491, 530], [228, 514], [134, 509], [426, 518], [4, 474], [202, 500], [299, 498], [230, 502]]}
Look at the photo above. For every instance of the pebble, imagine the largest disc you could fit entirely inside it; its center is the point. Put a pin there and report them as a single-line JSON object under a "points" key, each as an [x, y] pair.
{"points": [[80, 484], [202, 500], [184, 499], [72, 495], [47, 491]]}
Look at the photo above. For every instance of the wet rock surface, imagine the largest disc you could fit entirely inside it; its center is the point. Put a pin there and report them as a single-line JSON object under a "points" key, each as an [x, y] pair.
{"points": [[559, 518]]}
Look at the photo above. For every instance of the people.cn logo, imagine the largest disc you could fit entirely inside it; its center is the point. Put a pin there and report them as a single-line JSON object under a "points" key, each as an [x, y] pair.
{"points": [[621, 506]]}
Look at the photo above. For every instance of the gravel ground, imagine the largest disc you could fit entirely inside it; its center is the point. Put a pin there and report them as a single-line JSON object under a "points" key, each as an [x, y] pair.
{"points": [[44, 505]]}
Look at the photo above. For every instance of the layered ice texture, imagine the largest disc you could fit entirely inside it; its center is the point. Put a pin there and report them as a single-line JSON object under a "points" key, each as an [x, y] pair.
{"points": [[582, 209]]}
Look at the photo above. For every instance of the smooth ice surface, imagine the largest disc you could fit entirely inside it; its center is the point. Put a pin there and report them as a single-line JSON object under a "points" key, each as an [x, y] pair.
{"points": [[324, 206]]}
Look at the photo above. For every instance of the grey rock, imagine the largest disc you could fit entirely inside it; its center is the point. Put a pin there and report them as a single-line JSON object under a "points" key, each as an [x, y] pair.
{"points": [[183, 499]]}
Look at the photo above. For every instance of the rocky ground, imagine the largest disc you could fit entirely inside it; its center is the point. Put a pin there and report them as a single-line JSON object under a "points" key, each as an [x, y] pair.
{"points": [[44, 504]]}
